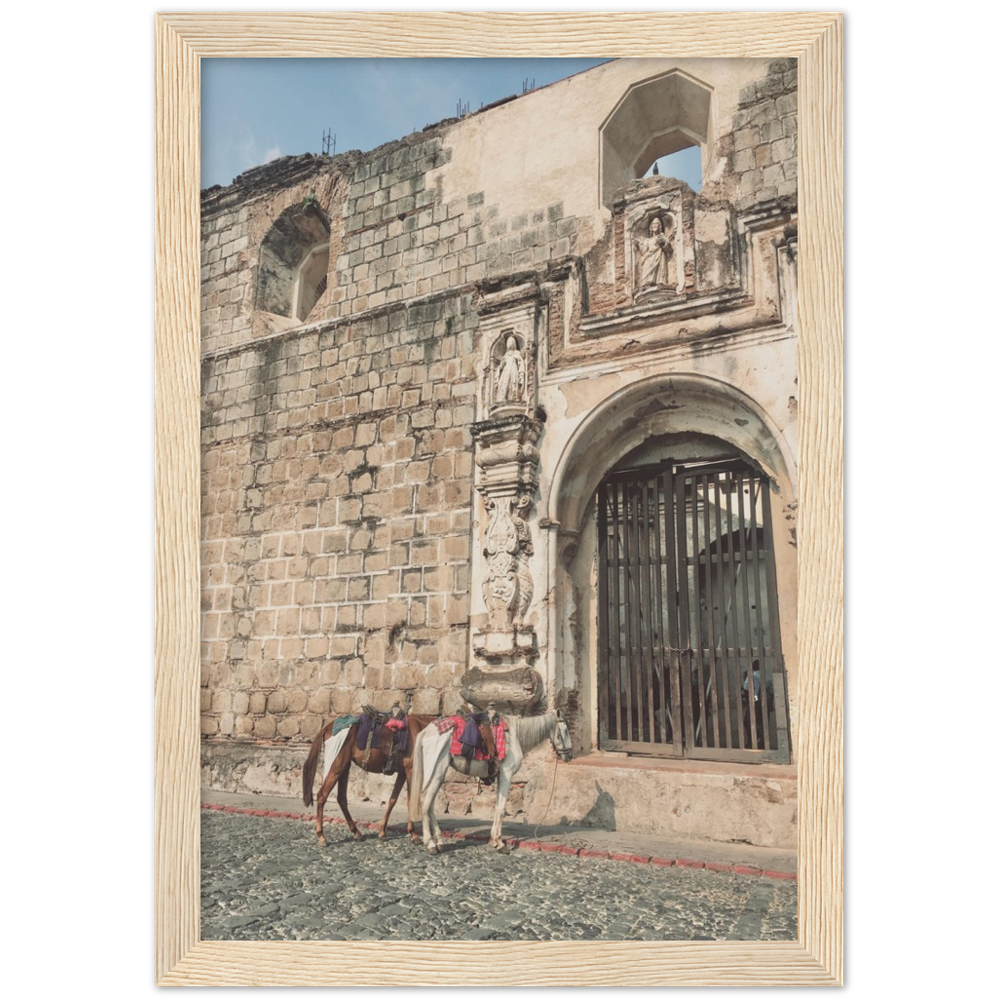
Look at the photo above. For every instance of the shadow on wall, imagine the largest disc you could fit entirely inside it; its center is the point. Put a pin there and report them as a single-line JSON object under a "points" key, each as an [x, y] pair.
{"points": [[601, 814]]}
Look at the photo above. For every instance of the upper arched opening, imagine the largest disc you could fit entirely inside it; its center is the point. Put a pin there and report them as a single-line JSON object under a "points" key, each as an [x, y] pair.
{"points": [[654, 119], [294, 260]]}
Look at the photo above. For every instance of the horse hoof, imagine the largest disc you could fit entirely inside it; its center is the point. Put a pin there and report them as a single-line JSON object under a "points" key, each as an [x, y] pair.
{"points": [[359, 835], [321, 840], [433, 849]]}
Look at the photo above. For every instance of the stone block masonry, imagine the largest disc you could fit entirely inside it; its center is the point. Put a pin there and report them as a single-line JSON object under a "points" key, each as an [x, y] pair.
{"points": [[404, 239], [337, 457], [765, 136], [336, 493]]}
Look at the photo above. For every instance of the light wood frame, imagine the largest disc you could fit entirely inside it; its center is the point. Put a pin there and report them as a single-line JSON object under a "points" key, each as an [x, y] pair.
{"points": [[180, 957]]}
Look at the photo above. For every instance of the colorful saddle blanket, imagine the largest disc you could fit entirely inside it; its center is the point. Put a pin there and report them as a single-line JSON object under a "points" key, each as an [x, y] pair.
{"points": [[343, 722], [465, 735]]}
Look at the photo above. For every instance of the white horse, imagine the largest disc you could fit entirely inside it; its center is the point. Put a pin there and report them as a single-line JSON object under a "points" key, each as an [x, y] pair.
{"points": [[431, 760]]}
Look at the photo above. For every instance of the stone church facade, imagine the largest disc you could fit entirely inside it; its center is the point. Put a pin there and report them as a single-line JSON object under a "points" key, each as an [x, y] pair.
{"points": [[489, 417]]}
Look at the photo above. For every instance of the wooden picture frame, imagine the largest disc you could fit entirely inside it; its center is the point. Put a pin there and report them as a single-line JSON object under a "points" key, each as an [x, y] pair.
{"points": [[180, 957]]}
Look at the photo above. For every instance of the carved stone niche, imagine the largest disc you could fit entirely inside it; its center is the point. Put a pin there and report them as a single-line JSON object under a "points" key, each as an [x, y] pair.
{"points": [[654, 247], [508, 325]]}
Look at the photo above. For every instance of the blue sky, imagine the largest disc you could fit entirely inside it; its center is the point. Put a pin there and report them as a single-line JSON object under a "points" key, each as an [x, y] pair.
{"points": [[255, 110]]}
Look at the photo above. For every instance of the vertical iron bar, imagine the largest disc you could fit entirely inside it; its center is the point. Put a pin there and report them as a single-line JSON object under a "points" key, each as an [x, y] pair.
{"points": [[781, 719], [747, 621], [635, 616], [680, 611], [760, 593], [649, 608], [615, 676], [702, 728], [733, 623], [713, 655], [676, 725], [604, 614], [662, 660], [727, 689], [628, 611]]}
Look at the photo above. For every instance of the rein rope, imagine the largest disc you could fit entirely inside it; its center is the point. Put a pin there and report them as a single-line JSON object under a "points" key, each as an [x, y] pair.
{"points": [[552, 792]]}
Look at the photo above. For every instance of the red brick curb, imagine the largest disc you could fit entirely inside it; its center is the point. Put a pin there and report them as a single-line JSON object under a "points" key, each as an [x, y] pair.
{"points": [[546, 847]]}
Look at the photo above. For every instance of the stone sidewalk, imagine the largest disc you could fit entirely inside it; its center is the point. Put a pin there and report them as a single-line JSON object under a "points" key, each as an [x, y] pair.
{"points": [[572, 839]]}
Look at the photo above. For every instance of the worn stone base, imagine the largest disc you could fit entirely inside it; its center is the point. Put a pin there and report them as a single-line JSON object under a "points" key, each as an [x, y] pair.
{"points": [[277, 770], [723, 803]]}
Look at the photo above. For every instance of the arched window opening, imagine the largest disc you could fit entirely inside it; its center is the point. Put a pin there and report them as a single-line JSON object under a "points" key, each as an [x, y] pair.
{"points": [[654, 119], [294, 260]]}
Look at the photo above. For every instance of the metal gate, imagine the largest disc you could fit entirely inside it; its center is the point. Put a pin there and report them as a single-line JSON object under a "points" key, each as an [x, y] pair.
{"points": [[690, 652]]}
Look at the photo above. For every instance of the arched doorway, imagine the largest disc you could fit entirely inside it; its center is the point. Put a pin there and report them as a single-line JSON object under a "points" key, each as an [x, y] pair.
{"points": [[675, 574]]}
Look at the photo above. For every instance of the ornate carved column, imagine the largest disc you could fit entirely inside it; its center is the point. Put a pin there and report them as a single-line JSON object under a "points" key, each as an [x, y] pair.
{"points": [[504, 640]]}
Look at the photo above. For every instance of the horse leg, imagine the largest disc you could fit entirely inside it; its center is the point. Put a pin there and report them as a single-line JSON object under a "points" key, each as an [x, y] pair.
{"points": [[397, 785], [324, 794], [342, 802], [410, 827], [432, 832], [508, 766]]}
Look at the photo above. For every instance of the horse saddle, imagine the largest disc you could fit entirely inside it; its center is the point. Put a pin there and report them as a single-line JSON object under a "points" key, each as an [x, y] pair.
{"points": [[473, 748], [384, 731]]}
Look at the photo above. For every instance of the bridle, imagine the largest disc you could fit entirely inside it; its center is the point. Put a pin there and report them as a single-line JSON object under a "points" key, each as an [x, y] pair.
{"points": [[561, 740]]}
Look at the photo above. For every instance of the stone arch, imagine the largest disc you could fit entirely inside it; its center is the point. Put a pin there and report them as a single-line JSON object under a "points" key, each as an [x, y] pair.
{"points": [[671, 404], [686, 406]]}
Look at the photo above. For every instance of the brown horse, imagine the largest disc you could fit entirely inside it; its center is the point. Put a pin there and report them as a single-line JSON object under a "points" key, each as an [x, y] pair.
{"points": [[372, 760]]}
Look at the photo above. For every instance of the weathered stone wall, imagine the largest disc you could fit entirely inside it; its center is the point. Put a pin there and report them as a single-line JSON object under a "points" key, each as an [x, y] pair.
{"points": [[405, 238], [337, 482], [765, 136]]}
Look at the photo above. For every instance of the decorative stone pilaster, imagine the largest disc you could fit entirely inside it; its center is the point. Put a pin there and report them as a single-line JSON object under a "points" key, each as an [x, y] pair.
{"points": [[504, 641], [787, 247]]}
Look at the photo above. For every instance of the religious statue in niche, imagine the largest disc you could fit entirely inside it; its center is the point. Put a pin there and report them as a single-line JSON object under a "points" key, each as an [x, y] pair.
{"points": [[509, 374], [656, 263], [509, 384]]}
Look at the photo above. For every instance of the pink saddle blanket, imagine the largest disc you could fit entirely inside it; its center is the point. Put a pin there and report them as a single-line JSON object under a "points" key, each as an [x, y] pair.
{"points": [[456, 723]]}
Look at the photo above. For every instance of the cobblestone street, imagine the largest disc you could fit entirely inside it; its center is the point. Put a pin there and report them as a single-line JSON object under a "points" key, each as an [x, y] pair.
{"points": [[267, 879]]}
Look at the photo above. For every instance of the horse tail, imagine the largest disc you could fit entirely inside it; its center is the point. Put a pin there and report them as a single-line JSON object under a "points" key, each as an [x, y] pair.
{"points": [[309, 769], [417, 779]]}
